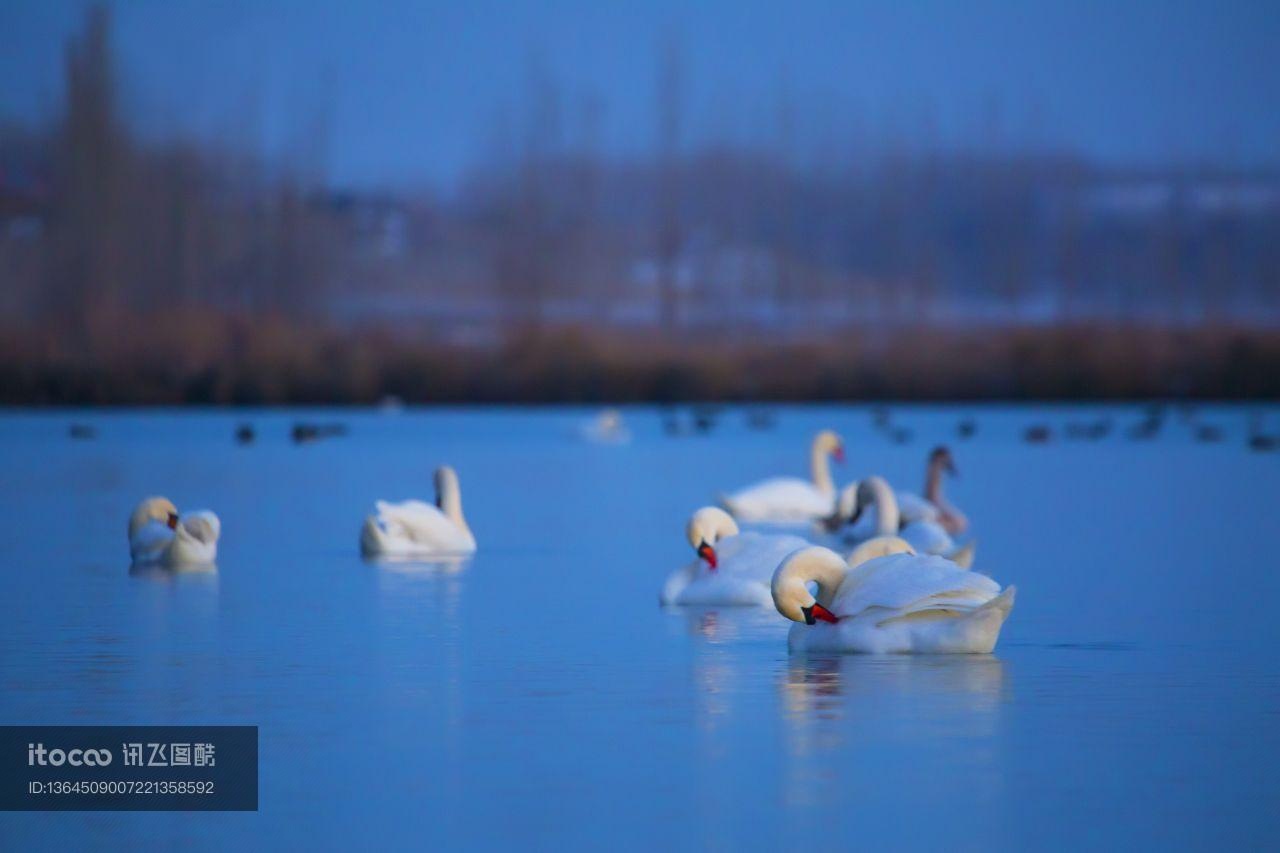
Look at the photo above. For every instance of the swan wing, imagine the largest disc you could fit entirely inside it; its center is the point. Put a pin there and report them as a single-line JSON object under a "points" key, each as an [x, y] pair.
{"points": [[909, 583], [912, 507], [419, 523], [927, 537], [789, 498], [756, 555], [149, 542], [417, 520]]}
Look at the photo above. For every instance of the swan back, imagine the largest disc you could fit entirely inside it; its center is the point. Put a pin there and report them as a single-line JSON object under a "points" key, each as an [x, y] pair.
{"points": [[906, 582]]}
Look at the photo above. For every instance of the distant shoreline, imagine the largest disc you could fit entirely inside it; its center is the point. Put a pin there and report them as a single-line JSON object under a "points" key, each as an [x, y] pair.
{"points": [[202, 360]]}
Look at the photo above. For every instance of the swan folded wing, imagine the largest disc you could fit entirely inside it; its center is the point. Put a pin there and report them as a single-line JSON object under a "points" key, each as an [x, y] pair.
{"points": [[415, 520], [149, 541], [787, 496], [912, 507], [907, 583], [927, 537], [202, 525], [755, 554]]}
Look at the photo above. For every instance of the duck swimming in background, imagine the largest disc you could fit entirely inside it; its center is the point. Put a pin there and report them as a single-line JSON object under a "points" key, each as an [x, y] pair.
{"points": [[732, 568], [892, 601], [792, 499], [159, 536], [417, 529]]}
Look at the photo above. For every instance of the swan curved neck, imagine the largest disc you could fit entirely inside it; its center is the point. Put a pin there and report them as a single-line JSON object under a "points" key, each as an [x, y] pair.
{"points": [[933, 481], [450, 500], [886, 506], [820, 468], [827, 574]]}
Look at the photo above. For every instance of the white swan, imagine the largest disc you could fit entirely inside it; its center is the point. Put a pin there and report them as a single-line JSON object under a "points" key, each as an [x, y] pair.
{"points": [[418, 529], [733, 568], [791, 499], [159, 536], [926, 537], [897, 602]]}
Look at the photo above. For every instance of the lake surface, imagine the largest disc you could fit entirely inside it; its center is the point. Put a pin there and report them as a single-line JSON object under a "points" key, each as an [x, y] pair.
{"points": [[538, 697]]}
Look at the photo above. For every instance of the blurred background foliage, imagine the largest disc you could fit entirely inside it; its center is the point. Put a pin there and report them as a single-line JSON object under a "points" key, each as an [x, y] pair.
{"points": [[182, 268]]}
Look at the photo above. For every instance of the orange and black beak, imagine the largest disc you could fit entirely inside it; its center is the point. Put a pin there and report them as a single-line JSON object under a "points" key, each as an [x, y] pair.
{"points": [[838, 454], [172, 521], [816, 612], [707, 553]]}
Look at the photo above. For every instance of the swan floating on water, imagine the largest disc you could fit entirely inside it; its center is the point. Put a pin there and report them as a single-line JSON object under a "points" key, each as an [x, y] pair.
{"points": [[418, 529], [925, 536], [160, 536], [892, 601], [792, 499], [933, 507], [732, 568]]}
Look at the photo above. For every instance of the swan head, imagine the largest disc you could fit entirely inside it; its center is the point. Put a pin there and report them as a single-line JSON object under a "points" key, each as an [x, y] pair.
{"points": [[790, 585], [706, 527], [941, 458], [153, 509], [828, 442]]}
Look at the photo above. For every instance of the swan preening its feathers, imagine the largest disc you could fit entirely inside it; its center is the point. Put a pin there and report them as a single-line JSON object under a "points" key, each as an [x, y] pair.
{"points": [[160, 536], [791, 499], [888, 599], [416, 529], [731, 567]]}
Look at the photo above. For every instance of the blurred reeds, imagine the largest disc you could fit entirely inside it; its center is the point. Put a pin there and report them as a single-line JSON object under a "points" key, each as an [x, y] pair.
{"points": [[180, 270], [193, 359]]}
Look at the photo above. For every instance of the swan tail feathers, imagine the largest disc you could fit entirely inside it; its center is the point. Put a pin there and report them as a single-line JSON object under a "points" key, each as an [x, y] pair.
{"points": [[964, 555], [1002, 602]]}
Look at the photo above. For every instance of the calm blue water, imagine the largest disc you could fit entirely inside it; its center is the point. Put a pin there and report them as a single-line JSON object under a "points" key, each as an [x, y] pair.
{"points": [[538, 696]]}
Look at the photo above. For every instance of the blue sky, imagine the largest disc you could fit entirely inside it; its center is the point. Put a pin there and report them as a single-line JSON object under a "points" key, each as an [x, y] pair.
{"points": [[412, 91]]}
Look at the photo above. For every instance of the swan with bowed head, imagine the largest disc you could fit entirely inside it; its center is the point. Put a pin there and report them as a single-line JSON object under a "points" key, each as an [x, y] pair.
{"points": [[792, 499], [412, 528], [886, 598], [732, 567], [160, 536]]}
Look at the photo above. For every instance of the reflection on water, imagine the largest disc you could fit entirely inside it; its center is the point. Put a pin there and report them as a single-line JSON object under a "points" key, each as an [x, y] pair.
{"points": [[725, 624], [477, 696], [205, 574], [840, 711]]}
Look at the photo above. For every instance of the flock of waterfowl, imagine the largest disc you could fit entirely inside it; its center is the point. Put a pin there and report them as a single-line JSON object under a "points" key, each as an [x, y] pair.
{"points": [[905, 585], [865, 567]]}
